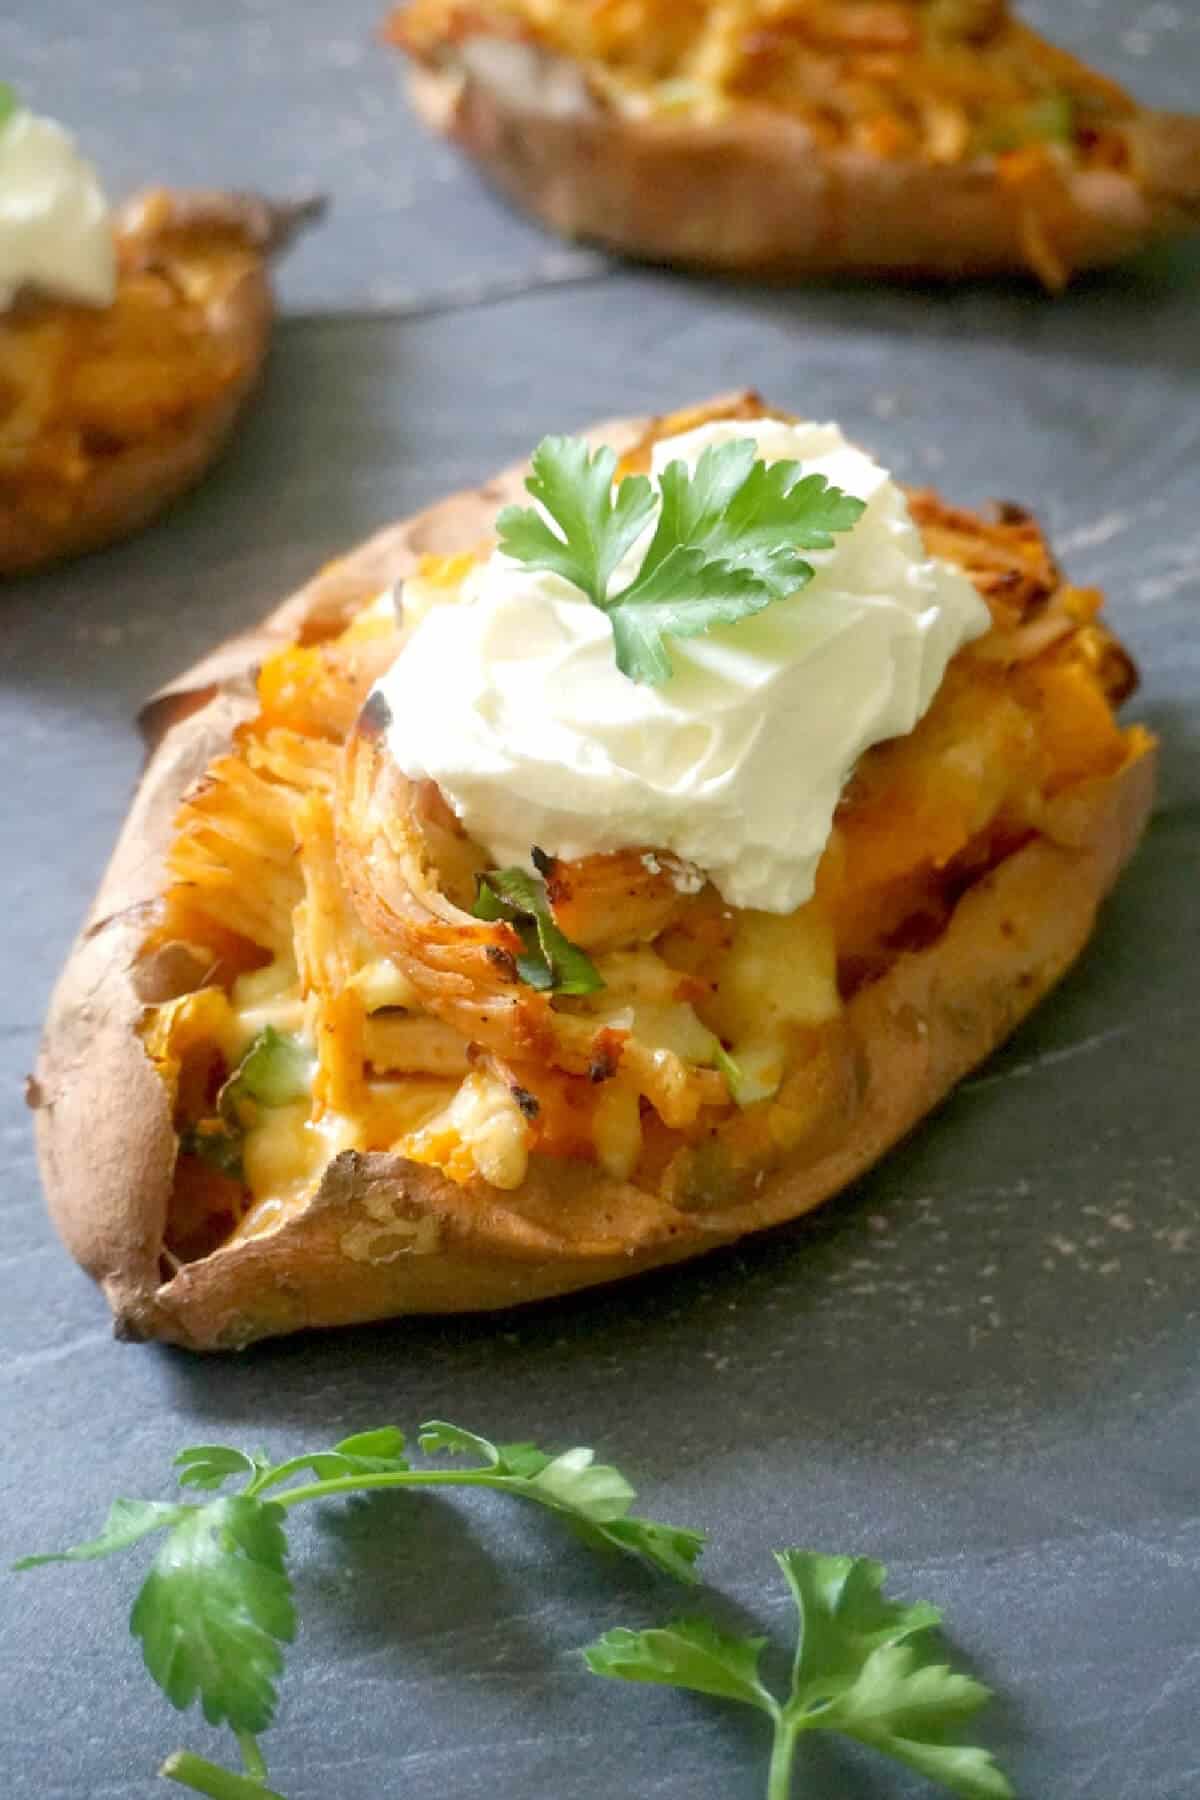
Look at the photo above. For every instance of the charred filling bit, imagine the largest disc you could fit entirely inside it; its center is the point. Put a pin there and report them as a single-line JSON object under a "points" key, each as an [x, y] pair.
{"points": [[375, 716], [607, 1056], [715, 1041]]}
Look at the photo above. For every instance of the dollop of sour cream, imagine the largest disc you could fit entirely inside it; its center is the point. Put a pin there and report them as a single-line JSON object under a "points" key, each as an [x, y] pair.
{"points": [[513, 703], [56, 231]]}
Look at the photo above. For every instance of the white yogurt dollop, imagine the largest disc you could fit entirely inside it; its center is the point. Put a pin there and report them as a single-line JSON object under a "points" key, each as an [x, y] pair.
{"points": [[55, 228], [513, 703]]}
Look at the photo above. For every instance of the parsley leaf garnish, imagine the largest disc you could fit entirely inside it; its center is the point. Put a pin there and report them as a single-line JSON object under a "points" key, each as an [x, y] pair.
{"points": [[550, 960], [596, 526], [726, 543], [9, 103], [855, 1671]]}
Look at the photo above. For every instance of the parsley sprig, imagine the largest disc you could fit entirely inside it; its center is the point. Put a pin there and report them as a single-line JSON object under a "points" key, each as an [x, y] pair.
{"points": [[550, 961], [727, 540], [216, 1608], [855, 1671]]}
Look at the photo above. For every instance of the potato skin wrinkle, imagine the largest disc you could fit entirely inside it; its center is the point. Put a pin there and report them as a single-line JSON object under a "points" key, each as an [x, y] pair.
{"points": [[462, 1149], [108, 414], [789, 138]]}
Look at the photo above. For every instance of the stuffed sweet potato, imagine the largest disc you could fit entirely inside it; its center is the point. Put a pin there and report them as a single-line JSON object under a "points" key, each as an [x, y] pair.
{"points": [[795, 137], [107, 413], [295, 1074]]}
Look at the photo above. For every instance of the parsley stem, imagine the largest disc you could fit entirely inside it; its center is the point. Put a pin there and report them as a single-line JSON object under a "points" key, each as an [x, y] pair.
{"points": [[783, 1751], [354, 1484], [204, 1777], [252, 1757]]}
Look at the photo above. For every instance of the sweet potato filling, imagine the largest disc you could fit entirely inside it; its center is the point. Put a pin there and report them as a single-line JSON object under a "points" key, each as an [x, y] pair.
{"points": [[941, 80], [716, 1045], [80, 385], [941, 83]]}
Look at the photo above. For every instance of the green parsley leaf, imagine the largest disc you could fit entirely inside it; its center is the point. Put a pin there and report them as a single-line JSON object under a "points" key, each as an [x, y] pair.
{"points": [[366, 1453], [377, 1449], [577, 1482], [726, 543], [597, 526], [437, 1436], [843, 1618], [690, 1653], [855, 1672], [214, 1609], [212, 1465], [8, 103], [903, 1708], [684, 597], [594, 1498], [572, 1482], [672, 1549], [128, 1522], [551, 960]]}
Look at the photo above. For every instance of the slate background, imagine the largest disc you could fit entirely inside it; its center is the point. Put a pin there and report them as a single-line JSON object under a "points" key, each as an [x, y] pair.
{"points": [[979, 1366]]}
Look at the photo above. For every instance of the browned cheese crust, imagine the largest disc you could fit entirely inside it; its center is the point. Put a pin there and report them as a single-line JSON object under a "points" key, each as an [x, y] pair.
{"points": [[121, 486], [751, 192], [382, 1236]]}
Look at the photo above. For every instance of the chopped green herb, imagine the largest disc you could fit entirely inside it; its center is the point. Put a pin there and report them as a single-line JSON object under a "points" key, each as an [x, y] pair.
{"points": [[217, 1144], [9, 103], [276, 1069], [726, 543], [550, 960], [1051, 120]]}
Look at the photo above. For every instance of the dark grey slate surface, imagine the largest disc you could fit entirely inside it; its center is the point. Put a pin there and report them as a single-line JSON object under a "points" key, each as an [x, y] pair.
{"points": [[979, 1366]]}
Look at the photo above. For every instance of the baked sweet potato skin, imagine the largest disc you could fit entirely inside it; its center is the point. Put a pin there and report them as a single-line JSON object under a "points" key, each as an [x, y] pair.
{"points": [[382, 1236], [90, 486], [751, 193]]}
